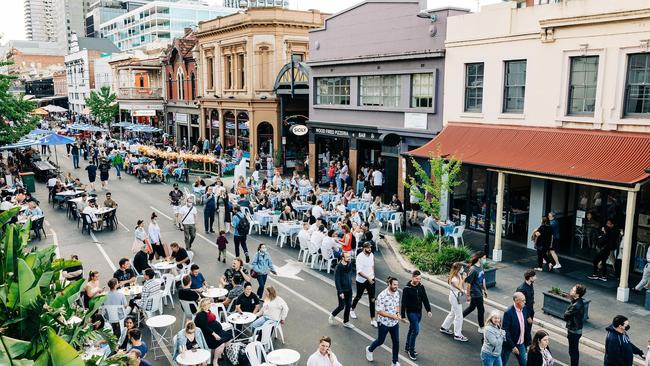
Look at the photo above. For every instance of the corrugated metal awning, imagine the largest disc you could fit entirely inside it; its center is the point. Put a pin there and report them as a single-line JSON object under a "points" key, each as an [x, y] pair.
{"points": [[618, 158]]}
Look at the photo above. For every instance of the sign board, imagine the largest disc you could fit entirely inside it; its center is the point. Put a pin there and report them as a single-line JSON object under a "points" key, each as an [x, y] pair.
{"points": [[144, 113], [580, 214], [299, 130], [181, 117], [416, 121], [344, 133]]}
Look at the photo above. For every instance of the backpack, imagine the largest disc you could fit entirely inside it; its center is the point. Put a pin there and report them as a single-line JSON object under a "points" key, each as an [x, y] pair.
{"points": [[236, 353], [243, 226]]}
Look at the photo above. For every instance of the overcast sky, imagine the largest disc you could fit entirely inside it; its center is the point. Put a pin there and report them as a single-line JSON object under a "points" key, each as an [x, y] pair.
{"points": [[12, 18]]}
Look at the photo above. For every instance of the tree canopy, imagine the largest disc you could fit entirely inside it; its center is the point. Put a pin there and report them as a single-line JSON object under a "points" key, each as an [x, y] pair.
{"points": [[103, 105], [15, 120]]}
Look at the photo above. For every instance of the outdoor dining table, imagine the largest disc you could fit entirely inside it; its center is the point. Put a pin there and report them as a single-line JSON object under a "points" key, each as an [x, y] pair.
{"points": [[304, 190], [326, 197], [133, 290], [164, 265], [283, 356], [70, 193], [92, 351], [24, 219], [215, 292], [264, 217], [384, 214], [196, 356], [161, 328], [291, 228], [300, 207], [239, 320], [356, 204]]}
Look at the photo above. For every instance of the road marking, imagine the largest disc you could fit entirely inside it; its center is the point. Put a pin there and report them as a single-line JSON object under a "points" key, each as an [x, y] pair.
{"points": [[55, 240], [124, 226], [162, 213], [110, 263]]}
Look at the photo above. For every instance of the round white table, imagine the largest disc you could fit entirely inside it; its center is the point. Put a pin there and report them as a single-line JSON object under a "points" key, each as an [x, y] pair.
{"points": [[238, 320], [215, 292], [196, 357], [133, 290], [91, 352], [283, 356], [163, 322], [164, 266]]}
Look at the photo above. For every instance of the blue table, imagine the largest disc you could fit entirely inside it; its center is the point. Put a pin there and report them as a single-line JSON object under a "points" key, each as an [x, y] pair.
{"points": [[264, 217], [357, 205], [326, 197], [384, 215], [304, 190]]}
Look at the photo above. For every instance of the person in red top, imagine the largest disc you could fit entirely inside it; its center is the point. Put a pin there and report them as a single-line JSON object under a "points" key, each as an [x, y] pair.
{"points": [[346, 242]]}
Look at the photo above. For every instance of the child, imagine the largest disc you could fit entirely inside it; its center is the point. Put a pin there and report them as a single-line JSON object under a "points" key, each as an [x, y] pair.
{"points": [[221, 244]]}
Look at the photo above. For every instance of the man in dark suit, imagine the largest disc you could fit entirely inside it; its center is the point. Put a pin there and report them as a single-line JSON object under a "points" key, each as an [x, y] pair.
{"points": [[517, 327]]}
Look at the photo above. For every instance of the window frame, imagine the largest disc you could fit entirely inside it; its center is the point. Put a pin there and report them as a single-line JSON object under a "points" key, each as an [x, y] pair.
{"points": [[413, 103], [339, 83], [627, 86], [467, 88], [385, 82], [506, 86], [571, 87]]}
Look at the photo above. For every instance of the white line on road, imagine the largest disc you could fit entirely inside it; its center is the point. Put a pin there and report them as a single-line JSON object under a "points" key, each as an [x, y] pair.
{"points": [[110, 263], [124, 226], [162, 213]]}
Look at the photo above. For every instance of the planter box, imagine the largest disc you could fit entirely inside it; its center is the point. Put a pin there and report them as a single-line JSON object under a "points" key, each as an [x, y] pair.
{"points": [[556, 305], [647, 300], [490, 277]]}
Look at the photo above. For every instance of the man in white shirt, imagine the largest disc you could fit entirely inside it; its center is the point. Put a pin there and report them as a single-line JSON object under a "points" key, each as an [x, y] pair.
{"points": [[187, 214], [51, 182], [365, 280], [91, 210], [317, 211], [317, 236], [329, 246], [377, 182], [323, 356], [304, 234]]}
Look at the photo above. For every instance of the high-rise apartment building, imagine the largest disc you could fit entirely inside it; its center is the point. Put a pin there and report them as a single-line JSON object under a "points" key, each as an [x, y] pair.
{"points": [[70, 16], [243, 4], [101, 11], [40, 22]]}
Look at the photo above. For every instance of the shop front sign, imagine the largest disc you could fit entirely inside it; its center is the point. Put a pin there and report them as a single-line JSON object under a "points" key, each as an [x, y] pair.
{"points": [[344, 133], [299, 130], [144, 113]]}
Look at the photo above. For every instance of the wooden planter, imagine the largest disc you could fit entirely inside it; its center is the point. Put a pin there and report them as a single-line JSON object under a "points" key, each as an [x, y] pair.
{"points": [[556, 305], [490, 277]]}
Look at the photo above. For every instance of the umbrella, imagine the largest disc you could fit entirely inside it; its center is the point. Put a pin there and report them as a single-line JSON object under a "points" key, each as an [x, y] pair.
{"points": [[39, 131], [54, 108], [21, 143], [55, 139], [40, 112]]}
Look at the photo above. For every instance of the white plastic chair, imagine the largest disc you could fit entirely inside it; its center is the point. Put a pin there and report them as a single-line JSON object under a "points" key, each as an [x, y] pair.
{"points": [[255, 354], [395, 221], [275, 219], [253, 223], [425, 230], [182, 272], [168, 281], [283, 235], [304, 248], [190, 255], [265, 333], [246, 211], [457, 234], [277, 330], [220, 310], [156, 305], [329, 262], [187, 309], [313, 254]]}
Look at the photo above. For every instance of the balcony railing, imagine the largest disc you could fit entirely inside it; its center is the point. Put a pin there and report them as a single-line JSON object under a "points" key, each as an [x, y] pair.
{"points": [[140, 93]]}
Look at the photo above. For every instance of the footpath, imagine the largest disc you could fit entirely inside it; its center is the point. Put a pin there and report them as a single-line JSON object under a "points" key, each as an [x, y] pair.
{"points": [[517, 259]]}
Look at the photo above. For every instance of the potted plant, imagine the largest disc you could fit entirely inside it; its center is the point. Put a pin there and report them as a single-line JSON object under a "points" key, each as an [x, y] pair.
{"points": [[490, 272], [557, 301], [278, 158]]}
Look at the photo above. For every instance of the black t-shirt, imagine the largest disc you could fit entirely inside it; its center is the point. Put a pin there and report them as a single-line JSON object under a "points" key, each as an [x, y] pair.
{"points": [[247, 303], [92, 170], [475, 278], [175, 196], [187, 294], [104, 167], [180, 255], [141, 261], [122, 275], [230, 273]]}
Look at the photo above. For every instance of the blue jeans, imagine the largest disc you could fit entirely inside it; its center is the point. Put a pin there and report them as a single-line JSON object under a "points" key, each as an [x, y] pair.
{"points": [[118, 169], [505, 354], [75, 161], [261, 280], [259, 322], [414, 329], [339, 184], [381, 337], [489, 360]]}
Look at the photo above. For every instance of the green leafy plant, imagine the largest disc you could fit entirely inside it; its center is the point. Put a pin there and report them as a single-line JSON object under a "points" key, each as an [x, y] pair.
{"points": [[15, 120], [103, 105], [277, 157], [427, 255], [557, 291], [35, 305]]}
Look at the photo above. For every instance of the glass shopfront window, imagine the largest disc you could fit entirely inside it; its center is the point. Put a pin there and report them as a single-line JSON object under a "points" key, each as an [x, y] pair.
{"points": [[243, 132], [230, 134], [214, 126]]}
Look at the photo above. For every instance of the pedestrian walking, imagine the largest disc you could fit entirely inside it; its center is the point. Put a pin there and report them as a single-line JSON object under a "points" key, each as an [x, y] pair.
{"points": [[223, 210], [539, 353], [104, 168], [476, 288], [528, 289], [118, 163], [574, 317], [324, 355], [543, 238], [154, 238], [222, 242], [75, 155], [261, 266], [188, 214], [619, 349], [209, 209], [456, 281], [175, 197], [606, 242], [388, 309], [415, 205], [514, 321], [240, 226], [493, 338], [91, 168], [414, 296], [555, 229], [343, 283], [365, 281]]}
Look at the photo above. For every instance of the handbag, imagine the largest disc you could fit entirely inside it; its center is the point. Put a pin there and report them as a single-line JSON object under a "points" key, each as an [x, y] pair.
{"points": [[253, 273], [461, 297]]}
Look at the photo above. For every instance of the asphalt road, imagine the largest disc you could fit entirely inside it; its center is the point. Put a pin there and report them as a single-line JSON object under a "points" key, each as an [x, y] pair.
{"points": [[309, 293]]}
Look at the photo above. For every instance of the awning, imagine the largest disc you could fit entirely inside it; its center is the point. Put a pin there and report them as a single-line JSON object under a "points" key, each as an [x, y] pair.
{"points": [[618, 158]]}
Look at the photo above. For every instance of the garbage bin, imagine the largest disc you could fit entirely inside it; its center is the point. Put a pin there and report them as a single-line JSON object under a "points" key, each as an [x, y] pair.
{"points": [[28, 181]]}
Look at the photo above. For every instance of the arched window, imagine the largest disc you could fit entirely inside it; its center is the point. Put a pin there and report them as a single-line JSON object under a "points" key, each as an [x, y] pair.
{"points": [[141, 80], [181, 84], [193, 85], [170, 86]]}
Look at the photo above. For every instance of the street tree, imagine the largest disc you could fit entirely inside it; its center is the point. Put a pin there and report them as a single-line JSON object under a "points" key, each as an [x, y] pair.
{"points": [[103, 105], [15, 120]]}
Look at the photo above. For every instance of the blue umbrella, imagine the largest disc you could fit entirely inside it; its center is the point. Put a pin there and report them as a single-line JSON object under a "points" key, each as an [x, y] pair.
{"points": [[21, 143], [55, 139], [39, 131]]}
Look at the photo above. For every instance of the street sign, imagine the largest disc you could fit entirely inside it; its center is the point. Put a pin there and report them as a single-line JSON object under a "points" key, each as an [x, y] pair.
{"points": [[299, 130]]}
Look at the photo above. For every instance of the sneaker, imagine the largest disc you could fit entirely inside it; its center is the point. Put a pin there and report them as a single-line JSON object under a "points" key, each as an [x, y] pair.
{"points": [[446, 331], [604, 279], [330, 319], [248, 259], [224, 260], [539, 269], [480, 330], [373, 323], [593, 277], [348, 325], [353, 315], [369, 354], [412, 356], [460, 338], [395, 364], [558, 266]]}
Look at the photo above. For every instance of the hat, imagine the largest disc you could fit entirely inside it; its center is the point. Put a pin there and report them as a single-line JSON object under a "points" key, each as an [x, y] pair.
{"points": [[175, 185]]}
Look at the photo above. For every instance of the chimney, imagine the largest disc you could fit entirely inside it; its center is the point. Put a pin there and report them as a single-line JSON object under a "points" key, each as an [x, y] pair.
{"points": [[187, 30]]}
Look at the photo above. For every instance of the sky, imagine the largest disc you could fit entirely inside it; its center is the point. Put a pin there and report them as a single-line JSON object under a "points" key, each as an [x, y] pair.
{"points": [[12, 18]]}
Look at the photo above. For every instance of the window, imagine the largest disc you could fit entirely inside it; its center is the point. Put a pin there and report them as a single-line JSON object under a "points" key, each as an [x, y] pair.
{"points": [[333, 91], [474, 87], [514, 86], [240, 71], [210, 73], [637, 87], [193, 86], [380, 90], [227, 68], [422, 90], [582, 85], [170, 87], [181, 84]]}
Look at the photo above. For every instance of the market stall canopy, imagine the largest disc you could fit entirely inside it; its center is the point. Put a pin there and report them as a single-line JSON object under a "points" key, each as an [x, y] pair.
{"points": [[55, 139], [20, 144], [40, 112], [143, 128], [122, 124], [54, 108], [85, 127], [39, 132], [620, 158]]}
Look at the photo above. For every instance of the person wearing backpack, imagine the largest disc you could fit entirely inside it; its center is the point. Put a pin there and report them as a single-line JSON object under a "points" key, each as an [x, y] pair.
{"points": [[241, 226]]}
